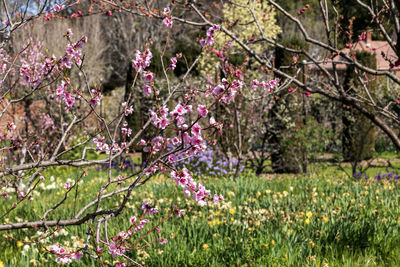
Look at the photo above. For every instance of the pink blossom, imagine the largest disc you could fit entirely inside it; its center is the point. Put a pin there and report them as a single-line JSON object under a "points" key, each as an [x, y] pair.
{"points": [[218, 90], [168, 22], [148, 76], [163, 241], [216, 199], [114, 250], [173, 63], [180, 120], [142, 60], [64, 260], [94, 101], [147, 90], [209, 39], [274, 83], [178, 212], [126, 131], [122, 235], [58, 8], [65, 61], [202, 110], [255, 84], [128, 111], [196, 129], [67, 185], [212, 121], [142, 143]]}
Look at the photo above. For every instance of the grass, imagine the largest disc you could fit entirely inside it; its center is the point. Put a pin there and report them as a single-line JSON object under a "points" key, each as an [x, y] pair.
{"points": [[327, 219]]}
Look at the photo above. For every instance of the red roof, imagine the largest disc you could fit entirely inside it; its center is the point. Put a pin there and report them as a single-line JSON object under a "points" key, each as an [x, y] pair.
{"points": [[382, 50]]}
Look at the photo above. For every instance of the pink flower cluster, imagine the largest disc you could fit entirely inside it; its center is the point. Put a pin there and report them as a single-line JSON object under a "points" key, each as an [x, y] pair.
{"points": [[148, 76], [173, 63], [148, 209], [116, 250], [57, 8], [128, 110], [168, 19], [209, 41], [147, 90], [142, 60], [63, 255], [200, 194], [159, 118], [96, 97], [102, 146], [178, 112], [62, 93], [202, 111], [126, 131], [73, 52], [226, 91], [35, 66], [265, 85]]}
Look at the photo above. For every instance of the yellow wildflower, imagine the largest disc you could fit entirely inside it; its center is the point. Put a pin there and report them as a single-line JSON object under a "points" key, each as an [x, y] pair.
{"points": [[232, 211], [307, 221], [325, 219], [19, 244], [309, 214], [205, 246], [272, 242]]}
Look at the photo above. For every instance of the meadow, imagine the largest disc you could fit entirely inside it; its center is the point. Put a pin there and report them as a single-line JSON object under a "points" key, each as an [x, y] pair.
{"points": [[286, 220]]}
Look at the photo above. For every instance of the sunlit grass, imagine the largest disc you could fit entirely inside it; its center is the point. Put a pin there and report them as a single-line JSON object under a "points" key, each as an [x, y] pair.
{"points": [[317, 220]]}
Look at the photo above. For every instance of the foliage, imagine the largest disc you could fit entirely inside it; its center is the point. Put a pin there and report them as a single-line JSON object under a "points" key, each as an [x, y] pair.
{"points": [[311, 139], [238, 18]]}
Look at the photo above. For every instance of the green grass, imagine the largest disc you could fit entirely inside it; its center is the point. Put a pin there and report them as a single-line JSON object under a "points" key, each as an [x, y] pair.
{"points": [[261, 223]]}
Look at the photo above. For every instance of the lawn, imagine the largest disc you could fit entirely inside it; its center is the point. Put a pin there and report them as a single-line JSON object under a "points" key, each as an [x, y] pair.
{"points": [[325, 220]]}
